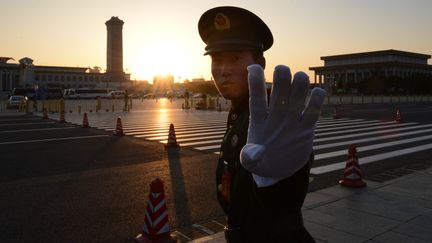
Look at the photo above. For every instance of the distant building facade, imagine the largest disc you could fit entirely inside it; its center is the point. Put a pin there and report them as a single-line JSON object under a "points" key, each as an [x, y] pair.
{"points": [[338, 70], [26, 74]]}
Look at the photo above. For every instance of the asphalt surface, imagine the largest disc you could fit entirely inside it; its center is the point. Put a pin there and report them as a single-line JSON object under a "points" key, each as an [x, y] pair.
{"points": [[63, 183]]}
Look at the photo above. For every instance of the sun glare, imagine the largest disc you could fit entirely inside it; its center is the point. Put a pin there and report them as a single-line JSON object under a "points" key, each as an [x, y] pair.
{"points": [[161, 59]]}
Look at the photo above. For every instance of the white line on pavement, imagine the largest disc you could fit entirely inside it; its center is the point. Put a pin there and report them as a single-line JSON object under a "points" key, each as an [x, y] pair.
{"points": [[372, 147], [37, 129], [370, 133], [26, 123], [397, 135], [364, 129], [369, 159], [53, 139]]}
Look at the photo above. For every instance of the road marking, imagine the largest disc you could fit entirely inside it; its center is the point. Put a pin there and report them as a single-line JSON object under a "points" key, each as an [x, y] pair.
{"points": [[180, 140], [165, 131], [351, 125], [372, 147], [216, 222], [182, 235], [179, 134], [204, 229], [23, 119], [371, 133], [38, 129], [364, 129], [330, 145], [182, 136], [53, 139], [219, 141], [369, 159], [26, 123], [208, 147]]}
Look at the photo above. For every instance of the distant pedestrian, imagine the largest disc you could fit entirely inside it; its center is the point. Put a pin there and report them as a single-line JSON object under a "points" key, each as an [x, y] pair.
{"points": [[126, 100], [35, 108], [262, 174]]}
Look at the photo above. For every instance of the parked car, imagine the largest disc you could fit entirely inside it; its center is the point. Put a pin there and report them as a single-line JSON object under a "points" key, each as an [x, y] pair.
{"points": [[116, 94], [15, 101]]}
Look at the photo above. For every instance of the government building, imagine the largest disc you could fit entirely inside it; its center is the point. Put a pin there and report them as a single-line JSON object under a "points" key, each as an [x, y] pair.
{"points": [[26, 74], [340, 70]]}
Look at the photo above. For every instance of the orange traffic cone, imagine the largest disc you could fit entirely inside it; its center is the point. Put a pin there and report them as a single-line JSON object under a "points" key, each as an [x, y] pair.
{"points": [[62, 117], [45, 113], [398, 116], [119, 128], [172, 141], [85, 120], [352, 176], [335, 113], [156, 227]]}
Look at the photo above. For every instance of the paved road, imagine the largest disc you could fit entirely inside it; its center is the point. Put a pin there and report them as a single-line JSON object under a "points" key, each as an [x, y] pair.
{"points": [[84, 185]]}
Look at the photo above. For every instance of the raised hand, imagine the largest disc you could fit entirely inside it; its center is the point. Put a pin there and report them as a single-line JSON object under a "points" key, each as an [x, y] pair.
{"points": [[280, 136]]}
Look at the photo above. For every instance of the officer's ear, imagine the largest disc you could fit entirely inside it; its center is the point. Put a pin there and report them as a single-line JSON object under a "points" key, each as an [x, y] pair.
{"points": [[262, 62], [259, 58]]}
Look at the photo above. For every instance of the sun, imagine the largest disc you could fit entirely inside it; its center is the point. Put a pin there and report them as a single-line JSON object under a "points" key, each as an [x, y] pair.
{"points": [[159, 58]]}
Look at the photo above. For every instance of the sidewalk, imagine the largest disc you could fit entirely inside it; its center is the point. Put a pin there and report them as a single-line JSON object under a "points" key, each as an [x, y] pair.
{"points": [[394, 211]]}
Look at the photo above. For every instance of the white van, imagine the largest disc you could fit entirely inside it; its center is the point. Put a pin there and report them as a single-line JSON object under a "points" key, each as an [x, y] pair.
{"points": [[116, 94]]}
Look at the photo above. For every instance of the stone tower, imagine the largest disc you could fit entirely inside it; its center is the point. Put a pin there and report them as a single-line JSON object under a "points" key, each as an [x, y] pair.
{"points": [[115, 49]]}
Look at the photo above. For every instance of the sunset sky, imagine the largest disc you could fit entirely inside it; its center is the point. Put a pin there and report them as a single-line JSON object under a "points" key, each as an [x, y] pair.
{"points": [[161, 37]]}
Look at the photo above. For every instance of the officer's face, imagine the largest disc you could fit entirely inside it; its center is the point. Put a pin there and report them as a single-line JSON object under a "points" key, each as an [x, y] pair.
{"points": [[229, 70]]}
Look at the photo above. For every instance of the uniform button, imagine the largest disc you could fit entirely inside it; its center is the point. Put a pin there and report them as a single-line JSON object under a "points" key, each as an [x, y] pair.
{"points": [[234, 116]]}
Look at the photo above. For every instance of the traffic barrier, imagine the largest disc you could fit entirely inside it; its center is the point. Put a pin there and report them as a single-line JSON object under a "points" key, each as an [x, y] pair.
{"points": [[336, 113], [119, 128], [85, 120], [45, 114], [220, 108], [62, 117], [352, 176], [156, 227], [398, 116], [172, 140]]}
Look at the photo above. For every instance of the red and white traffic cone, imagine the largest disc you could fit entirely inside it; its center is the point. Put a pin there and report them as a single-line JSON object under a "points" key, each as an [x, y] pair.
{"points": [[156, 227], [62, 117], [119, 128], [335, 113], [352, 176], [45, 114], [398, 116], [85, 120], [172, 141]]}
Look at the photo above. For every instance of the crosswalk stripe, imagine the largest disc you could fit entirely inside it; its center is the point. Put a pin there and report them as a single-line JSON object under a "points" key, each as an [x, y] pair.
{"points": [[371, 133], [330, 145], [369, 159], [218, 141], [178, 132], [371, 147], [319, 134], [352, 125], [183, 136]]}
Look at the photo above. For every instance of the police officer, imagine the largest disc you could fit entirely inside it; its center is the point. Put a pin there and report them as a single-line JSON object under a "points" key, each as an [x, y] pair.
{"points": [[262, 174]]}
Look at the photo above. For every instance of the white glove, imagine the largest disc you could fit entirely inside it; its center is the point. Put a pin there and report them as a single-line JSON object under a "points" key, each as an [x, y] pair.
{"points": [[280, 136]]}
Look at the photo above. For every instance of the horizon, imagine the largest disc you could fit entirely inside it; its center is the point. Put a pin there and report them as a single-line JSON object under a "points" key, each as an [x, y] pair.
{"points": [[158, 40]]}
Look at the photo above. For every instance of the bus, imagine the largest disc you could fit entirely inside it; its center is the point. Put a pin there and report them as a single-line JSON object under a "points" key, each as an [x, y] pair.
{"points": [[85, 93]]}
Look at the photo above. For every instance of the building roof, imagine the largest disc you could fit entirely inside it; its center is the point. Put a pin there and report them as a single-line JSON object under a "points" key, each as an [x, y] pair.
{"points": [[372, 65], [376, 53]]}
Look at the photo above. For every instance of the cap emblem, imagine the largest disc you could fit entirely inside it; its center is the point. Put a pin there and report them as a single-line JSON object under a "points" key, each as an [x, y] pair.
{"points": [[222, 22]]}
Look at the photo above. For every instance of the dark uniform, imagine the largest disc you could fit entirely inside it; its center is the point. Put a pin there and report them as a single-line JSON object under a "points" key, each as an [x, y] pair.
{"points": [[265, 214]]}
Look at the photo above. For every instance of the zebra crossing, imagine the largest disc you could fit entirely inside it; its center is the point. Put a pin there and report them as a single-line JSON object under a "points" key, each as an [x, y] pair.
{"points": [[203, 131]]}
